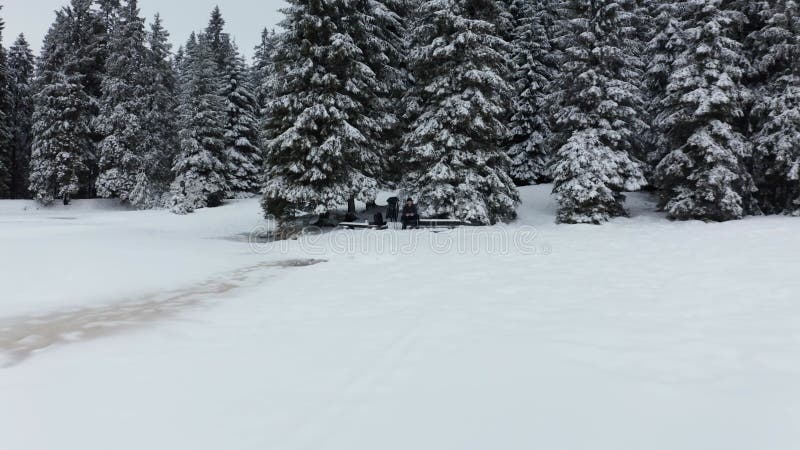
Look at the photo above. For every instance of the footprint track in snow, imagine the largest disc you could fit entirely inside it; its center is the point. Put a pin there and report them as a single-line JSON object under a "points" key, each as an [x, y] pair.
{"points": [[22, 337]]}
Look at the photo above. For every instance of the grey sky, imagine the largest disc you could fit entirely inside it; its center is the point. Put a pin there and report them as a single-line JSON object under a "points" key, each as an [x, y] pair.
{"points": [[245, 18]]}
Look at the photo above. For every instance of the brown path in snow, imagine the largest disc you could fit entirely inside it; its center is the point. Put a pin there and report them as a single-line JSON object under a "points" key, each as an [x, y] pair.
{"points": [[21, 337]]}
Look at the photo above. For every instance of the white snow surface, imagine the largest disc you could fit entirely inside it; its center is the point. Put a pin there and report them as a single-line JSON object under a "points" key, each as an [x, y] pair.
{"points": [[638, 334]]}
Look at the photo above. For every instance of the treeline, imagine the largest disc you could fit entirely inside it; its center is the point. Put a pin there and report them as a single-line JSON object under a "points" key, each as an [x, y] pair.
{"points": [[456, 102], [108, 111]]}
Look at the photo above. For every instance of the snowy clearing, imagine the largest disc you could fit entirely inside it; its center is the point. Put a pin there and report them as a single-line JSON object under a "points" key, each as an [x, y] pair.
{"points": [[132, 330]]}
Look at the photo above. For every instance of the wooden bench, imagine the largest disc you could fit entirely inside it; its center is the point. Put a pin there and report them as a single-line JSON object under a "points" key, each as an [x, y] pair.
{"points": [[362, 226], [440, 223]]}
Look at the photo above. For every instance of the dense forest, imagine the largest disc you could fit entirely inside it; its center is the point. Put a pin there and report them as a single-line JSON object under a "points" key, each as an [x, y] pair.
{"points": [[455, 102]]}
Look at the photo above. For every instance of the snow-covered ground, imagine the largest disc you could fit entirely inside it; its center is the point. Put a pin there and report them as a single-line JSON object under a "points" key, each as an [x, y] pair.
{"points": [[133, 330]]}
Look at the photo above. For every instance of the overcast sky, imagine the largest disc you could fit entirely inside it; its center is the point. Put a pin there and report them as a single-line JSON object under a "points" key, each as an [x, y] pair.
{"points": [[245, 18]]}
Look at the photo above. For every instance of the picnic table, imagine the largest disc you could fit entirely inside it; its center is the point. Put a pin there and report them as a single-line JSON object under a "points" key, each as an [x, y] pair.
{"points": [[423, 223], [362, 226], [440, 223]]}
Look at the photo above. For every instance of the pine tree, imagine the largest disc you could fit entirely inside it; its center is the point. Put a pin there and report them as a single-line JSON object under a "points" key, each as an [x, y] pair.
{"points": [[384, 39], [649, 145], [320, 133], [242, 157], [69, 75], [663, 48], [242, 154], [20, 74], [776, 113], [218, 40], [199, 171], [108, 10], [62, 113], [142, 194], [123, 107], [705, 176], [535, 62], [6, 137], [177, 61], [107, 13], [460, 100], [159, 117], [506, 20], [88, 32], [600, 113], [262, 67]]}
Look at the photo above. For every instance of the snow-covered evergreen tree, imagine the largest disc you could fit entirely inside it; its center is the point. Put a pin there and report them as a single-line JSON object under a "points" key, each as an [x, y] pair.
{"points": [[160, 119], [385, 42], [177, 61], [62, 114], [319, 131], [705, 176], [107, 13], [386, 32], [6, 125], [108, 10], [535, 62], [600, 113], [242, 157], [218, 40], [69, 74], [20, 75], [776, 112], [88, 40], [663, 48], [123, 107], [242, 153], [88, 48], [142, 195], [199, 170], [667, 43], [261, 69], [452, 151]]}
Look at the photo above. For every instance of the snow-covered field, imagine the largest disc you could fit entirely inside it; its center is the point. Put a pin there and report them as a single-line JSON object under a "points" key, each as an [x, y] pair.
{"points": [[133, 330]]}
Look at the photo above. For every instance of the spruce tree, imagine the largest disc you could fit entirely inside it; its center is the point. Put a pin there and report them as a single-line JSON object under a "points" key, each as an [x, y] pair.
{"points": [[452, 151], [242, 153], [107, 13], [123, 107], [159, 117], [385, 41], [663, 48], [218, 40], [69, 75], [319, 130], [199, 170], [600, 115], [108, 9], [776, 112], [242, 157], [6, 125], [20, 74], [177, 61], [88, 31], [62, 114], [535, 62], [262, 67], [705, 175]]}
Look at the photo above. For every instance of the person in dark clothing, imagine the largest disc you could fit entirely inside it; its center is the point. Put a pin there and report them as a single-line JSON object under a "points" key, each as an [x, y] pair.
{"points": [[410, 217], [392, 209]]}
